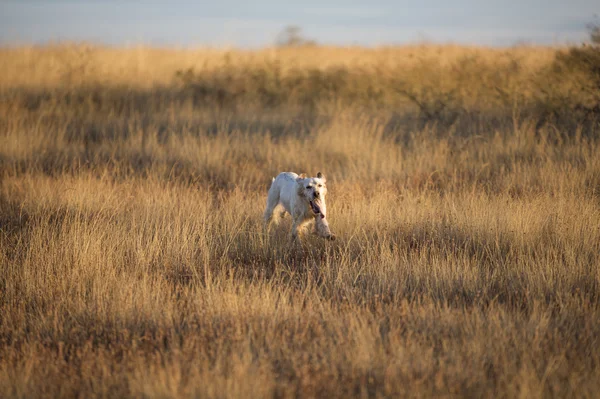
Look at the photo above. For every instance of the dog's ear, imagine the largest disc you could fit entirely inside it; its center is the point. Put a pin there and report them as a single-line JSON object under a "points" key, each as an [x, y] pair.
{"points": [[321, 176]]}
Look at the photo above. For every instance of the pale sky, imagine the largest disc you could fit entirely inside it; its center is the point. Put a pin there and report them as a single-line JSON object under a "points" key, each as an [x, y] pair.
{"points": [[257, 23]]}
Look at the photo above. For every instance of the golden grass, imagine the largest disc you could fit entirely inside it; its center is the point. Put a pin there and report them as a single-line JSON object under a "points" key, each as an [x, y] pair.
{"points": [[142, 67], [134, 264]]}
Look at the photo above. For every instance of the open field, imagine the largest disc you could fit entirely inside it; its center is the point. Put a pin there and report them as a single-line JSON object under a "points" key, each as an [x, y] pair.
{"points": [[464, 188]]}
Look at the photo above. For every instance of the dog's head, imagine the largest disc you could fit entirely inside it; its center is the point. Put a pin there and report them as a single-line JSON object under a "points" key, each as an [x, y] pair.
{"points": [[314, 190]]}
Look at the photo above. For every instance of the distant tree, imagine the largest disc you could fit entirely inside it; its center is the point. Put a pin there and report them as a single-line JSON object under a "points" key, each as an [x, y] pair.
{"points": [[291, 36], [582, 64], [594, 33]]}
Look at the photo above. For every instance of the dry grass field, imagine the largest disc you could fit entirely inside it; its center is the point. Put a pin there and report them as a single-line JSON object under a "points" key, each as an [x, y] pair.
{"points": [[464, 188]]}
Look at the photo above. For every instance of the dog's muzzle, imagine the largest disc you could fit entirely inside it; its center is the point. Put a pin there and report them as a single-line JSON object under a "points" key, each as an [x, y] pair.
{"points": [[315, 208]]}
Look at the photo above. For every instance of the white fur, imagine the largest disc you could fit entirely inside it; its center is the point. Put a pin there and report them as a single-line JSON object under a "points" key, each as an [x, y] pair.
{"points": [[294, 193]]}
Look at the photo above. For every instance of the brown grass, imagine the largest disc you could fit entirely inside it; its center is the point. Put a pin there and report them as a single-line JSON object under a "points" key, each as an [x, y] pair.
{"points": [[133, 262]]}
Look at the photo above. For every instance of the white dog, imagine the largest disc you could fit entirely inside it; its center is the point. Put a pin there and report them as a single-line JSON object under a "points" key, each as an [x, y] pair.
{"points": [[301, 197]]}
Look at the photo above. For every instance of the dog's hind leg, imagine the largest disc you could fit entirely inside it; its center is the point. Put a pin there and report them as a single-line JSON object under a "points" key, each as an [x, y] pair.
{"points": [[272, 202]]}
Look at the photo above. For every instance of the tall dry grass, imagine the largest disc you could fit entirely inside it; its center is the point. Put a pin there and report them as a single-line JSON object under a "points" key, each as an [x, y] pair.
{"points": [[134, 264]]}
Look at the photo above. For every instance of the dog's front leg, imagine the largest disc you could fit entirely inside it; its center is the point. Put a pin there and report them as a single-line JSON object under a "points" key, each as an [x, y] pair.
{"points": [[295, 227], [298, 222], [322, 228]]}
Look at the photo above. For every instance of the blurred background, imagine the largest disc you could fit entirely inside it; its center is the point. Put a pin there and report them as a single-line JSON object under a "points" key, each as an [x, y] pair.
{"points": [[260, 23]]}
